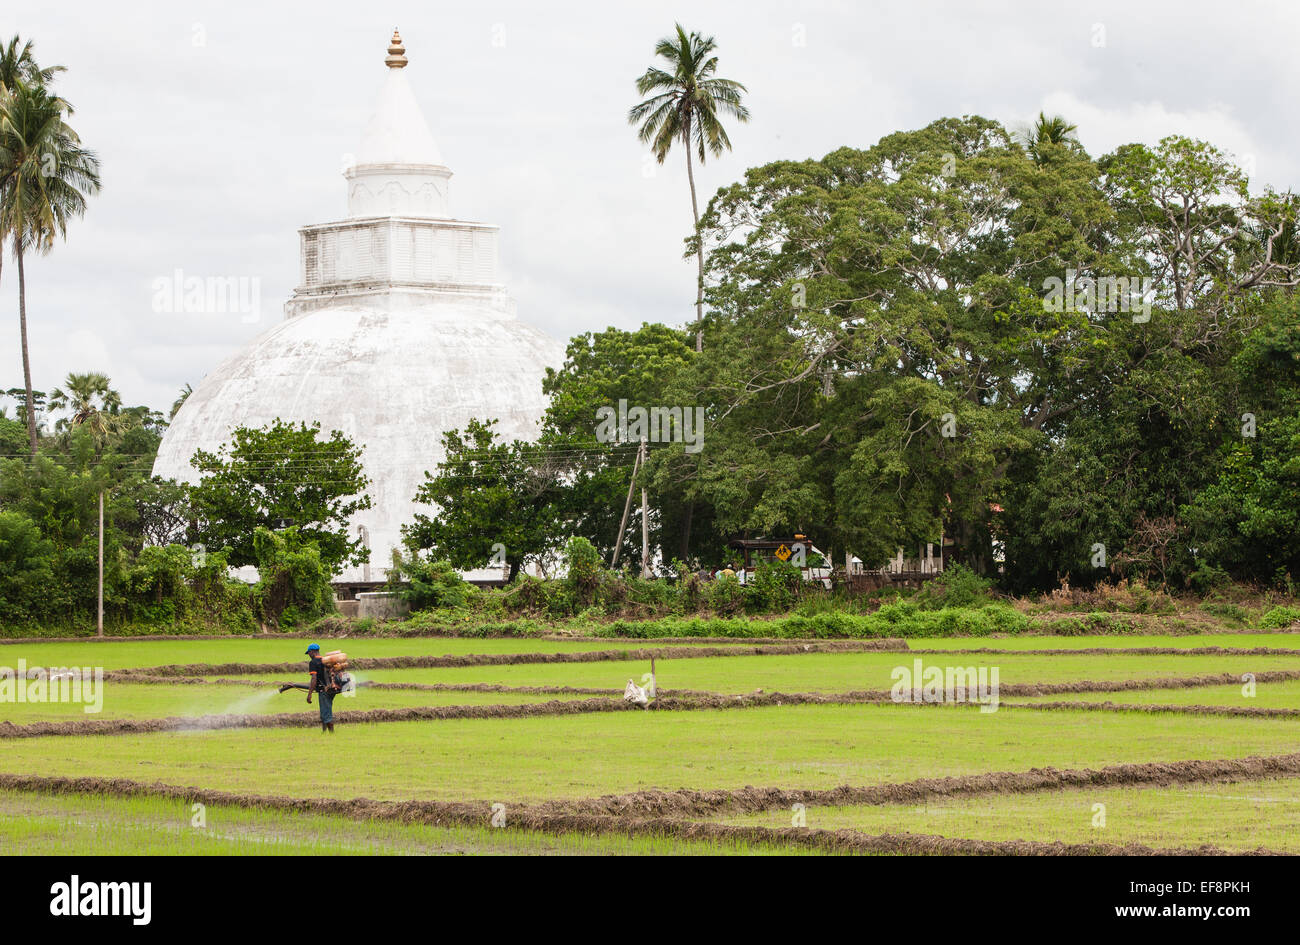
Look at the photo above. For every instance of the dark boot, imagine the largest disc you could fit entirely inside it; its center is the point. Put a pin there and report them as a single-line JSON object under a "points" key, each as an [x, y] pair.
{"points": [[331, 727], [323, 728]]}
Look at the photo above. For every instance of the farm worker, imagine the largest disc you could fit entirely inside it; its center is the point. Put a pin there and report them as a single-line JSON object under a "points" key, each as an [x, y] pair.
{"points": [[317, 684]]}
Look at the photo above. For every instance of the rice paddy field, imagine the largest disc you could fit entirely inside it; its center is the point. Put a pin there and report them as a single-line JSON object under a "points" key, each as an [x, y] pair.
{"points": [[1068, 745]]}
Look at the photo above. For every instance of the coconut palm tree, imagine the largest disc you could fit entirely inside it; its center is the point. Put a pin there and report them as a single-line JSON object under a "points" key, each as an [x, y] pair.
{"points": [[18, 67], [92, 403], [685, 105], [180, 401], [45, 177], [1046, 134]]}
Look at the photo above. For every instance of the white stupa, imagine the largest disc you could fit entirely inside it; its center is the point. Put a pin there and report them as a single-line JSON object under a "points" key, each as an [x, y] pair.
{"points": [[398, 332]]}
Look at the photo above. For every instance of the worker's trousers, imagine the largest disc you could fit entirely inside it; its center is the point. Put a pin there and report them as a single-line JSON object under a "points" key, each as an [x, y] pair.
{"points": [[326, 700]]}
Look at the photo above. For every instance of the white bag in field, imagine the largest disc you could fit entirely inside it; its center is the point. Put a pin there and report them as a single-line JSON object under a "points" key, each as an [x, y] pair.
{"points": [[634, 693]]}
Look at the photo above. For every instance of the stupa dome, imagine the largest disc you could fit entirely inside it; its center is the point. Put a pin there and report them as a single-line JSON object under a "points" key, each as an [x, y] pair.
{"points": [[398, 332]]}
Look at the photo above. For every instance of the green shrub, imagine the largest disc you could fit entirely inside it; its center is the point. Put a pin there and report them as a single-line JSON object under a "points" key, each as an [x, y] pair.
{"points": [[726, 595], [585, 569], [25, 574], [428, 584], [294, 585], [903, 619], [1233, 613], [773, 587], [956, 586], [1279, 617]]}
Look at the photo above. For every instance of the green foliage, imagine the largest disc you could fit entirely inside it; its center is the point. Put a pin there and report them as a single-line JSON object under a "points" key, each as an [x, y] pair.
{"points": [[773, 587], [428, 584], [294, 583], [896, 620], [1279, 617], [956, 586], [489, 496], [585, 569], [278, 476], [725, 595], [1247, 522], [1227, 612], [13, 437], [25, 573], [600, 370]]}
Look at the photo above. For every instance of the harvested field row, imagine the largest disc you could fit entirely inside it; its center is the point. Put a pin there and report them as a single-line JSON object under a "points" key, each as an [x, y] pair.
{"points": [[35, 824], [305, 719], [852, 696], [506, 659], [461, 813], [1237, 815], [1251, 711], [668, 701], [1155, 682], [120, 677], [838, 672], [694, 804], [545, 758], [696, 701]]}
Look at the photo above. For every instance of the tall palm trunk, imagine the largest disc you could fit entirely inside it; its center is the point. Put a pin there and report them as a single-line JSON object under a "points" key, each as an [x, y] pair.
{"points": [[30, 409], [699, 247]]}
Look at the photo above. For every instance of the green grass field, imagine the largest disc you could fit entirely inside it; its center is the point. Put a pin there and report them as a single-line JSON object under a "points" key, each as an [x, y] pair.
{"points": [[144, 701], [568, 758], [37, 824], [135, 652], [834, 672], [1236, 817]]}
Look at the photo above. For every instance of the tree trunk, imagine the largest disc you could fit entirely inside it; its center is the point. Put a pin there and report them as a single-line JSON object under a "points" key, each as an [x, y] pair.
{"points": [[30, 408], [686, 531], [514, 572], [699, 246]]}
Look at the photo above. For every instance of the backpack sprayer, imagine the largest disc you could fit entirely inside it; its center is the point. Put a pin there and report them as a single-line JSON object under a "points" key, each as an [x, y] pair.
{"points": [[337, 678]]}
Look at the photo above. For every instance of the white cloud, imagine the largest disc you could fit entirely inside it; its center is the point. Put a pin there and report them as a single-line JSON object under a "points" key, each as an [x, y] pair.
{"points": [[214, 155]]}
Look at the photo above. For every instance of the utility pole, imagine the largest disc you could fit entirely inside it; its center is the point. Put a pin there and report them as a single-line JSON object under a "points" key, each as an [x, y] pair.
{"points": [[99, 623], [645, 520], [627, 508]]}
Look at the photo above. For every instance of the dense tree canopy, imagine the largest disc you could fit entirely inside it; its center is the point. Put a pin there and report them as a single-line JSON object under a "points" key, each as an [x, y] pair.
{"points": [[279, 476], [1072, 368]]}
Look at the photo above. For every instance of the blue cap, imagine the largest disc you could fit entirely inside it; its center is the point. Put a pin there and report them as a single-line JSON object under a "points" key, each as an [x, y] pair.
{"points": [[313, 647]]}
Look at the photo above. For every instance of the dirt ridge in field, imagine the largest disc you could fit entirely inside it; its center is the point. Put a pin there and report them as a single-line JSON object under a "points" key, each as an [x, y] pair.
{"points": [[446, 813], [1153, 682], [689, 702], [668, 701], [510, 659], [200, 723], [366, 684], [692, 803], [1262, 712]]}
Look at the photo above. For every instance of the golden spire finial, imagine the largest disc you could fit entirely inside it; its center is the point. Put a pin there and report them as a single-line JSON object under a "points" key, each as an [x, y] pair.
{"points": [[396, 52]]}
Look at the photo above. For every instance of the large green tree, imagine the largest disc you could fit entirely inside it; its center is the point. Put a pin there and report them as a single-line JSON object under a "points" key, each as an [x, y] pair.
{"points": [[279, 476], [639, 369], [884, 348], [493, 501]]}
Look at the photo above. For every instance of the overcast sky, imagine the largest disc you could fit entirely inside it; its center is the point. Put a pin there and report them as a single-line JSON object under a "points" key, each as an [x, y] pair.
{"points": [[222, 127]]}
